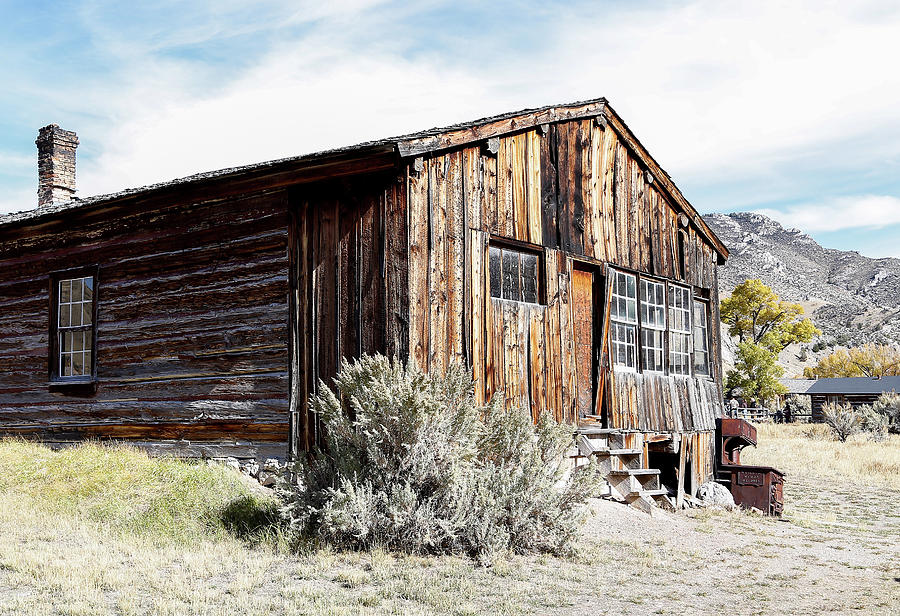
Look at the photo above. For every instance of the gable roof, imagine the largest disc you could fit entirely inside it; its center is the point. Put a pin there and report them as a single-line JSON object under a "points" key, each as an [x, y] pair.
{"points": [[346, 161], [855, 385]]}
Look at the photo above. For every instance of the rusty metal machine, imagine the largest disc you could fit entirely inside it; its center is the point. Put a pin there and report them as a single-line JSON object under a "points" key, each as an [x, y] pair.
{"points": [[751, 486]]}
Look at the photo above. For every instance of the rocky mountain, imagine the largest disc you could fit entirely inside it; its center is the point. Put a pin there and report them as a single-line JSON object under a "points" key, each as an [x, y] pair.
{"points": [[853, 299]]}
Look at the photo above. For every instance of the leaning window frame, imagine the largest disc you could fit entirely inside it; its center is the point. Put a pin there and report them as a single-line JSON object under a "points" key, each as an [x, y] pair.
{"points": [[703, 305], [55, 378]]}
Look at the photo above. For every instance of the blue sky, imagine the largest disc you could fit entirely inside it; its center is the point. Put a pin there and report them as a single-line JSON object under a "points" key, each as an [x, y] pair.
{"points": [[790, 109]]}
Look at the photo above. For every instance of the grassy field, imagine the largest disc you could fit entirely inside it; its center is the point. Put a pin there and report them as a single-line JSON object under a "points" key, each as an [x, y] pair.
{"points": [[96, 530]]}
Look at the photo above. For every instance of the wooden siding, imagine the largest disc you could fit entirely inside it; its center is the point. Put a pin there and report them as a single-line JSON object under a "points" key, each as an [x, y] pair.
{"points": [[191, 329], [657, 403], [349, 274], [580, 193], [817, 401]]}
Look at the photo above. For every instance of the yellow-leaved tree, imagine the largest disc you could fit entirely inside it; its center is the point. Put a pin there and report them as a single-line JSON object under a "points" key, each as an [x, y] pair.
{"points": [[866, 360], [764, 325]]}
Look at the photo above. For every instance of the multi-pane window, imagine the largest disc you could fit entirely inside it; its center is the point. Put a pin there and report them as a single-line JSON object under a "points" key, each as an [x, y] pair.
{"points": [[679, 330], [701, 339], [623, 319], [514, 274], [74, 327], [653, 325]]}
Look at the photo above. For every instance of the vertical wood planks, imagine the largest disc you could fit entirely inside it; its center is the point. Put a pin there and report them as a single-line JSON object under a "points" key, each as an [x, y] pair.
{"points": [[455, 259], [537, 361], [419, 249], [549, 187], [552, 334], [478, 291], [396, 269], [438, 266]]}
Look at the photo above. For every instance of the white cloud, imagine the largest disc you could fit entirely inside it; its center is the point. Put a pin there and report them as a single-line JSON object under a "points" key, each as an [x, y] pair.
{"points": [[839, 213], [718, 91]]}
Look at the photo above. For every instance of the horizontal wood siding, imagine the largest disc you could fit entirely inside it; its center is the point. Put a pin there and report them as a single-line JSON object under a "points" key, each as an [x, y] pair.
{"points": [[192, 325]]}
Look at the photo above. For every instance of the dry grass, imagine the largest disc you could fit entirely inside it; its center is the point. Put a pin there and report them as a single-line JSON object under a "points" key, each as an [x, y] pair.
{"points": [[789, 447], [100, 531]]}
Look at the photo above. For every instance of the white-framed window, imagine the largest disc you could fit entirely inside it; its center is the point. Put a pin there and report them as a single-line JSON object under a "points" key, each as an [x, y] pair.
{"points": [[701, 338], [515, 274], [73, 353], [623, 319], [679, 329], [653, 325]]}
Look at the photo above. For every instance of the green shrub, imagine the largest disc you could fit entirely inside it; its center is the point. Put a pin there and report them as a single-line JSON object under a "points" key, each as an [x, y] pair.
{"points": [[411, 463], [843, 420], [800, 406], [873, 423], [129, 492], [888, 406]]}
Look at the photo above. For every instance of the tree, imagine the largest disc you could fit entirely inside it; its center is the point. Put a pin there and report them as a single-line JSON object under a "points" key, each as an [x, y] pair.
{"points": [[764, 325], [868, 360], [755, 313], [756, 372]]}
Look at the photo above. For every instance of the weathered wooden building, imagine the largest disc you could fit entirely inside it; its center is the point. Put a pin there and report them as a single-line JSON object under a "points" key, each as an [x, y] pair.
{"points": [[855, 391], [546, 249]]}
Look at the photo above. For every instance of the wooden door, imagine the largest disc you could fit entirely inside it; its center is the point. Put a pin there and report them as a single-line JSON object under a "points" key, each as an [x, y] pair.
{"points": [[583, 317]]}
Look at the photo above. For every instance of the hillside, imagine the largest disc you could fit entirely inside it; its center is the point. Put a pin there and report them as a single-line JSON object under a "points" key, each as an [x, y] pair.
{"points": [[852, 298]]}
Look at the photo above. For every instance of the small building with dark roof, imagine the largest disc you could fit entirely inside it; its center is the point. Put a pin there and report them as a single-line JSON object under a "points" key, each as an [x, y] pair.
{"points": [[855, 391]]}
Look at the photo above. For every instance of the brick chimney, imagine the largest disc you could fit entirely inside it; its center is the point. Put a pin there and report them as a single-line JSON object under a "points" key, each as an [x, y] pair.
{"points": [[56, 165]]}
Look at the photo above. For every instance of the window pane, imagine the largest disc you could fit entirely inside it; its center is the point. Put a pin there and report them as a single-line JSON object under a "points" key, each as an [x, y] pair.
{"points": [[87, 362], [88, 293], [511, 287], [76, 290], [64, 319], [65, 293], [66, 342], [77, 364], [65, 368], [77, 340], [86, 313], [496, 272], [529, 277]]}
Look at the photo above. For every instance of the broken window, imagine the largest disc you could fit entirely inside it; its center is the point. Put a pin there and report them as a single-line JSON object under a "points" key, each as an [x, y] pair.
{"points": [[514, 274]]}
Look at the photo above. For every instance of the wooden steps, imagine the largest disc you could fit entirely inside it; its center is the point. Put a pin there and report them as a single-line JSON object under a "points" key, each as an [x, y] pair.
{"points": [[621, 461]]}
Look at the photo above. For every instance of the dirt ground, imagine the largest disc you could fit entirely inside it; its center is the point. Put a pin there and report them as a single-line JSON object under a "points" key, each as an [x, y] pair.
{"points": [[836, 550]]}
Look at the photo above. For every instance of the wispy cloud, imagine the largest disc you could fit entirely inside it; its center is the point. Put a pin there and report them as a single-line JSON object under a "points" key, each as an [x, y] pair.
{"points": [[744, 103], [840, 213]]}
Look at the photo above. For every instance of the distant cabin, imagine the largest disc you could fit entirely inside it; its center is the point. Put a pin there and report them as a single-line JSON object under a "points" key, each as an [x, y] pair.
{"points": [[546, 250], [855, 391]]}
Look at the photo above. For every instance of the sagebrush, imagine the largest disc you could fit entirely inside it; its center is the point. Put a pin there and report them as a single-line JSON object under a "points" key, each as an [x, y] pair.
{"points": [[411, 463], [843, 420], [887, 407]]}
